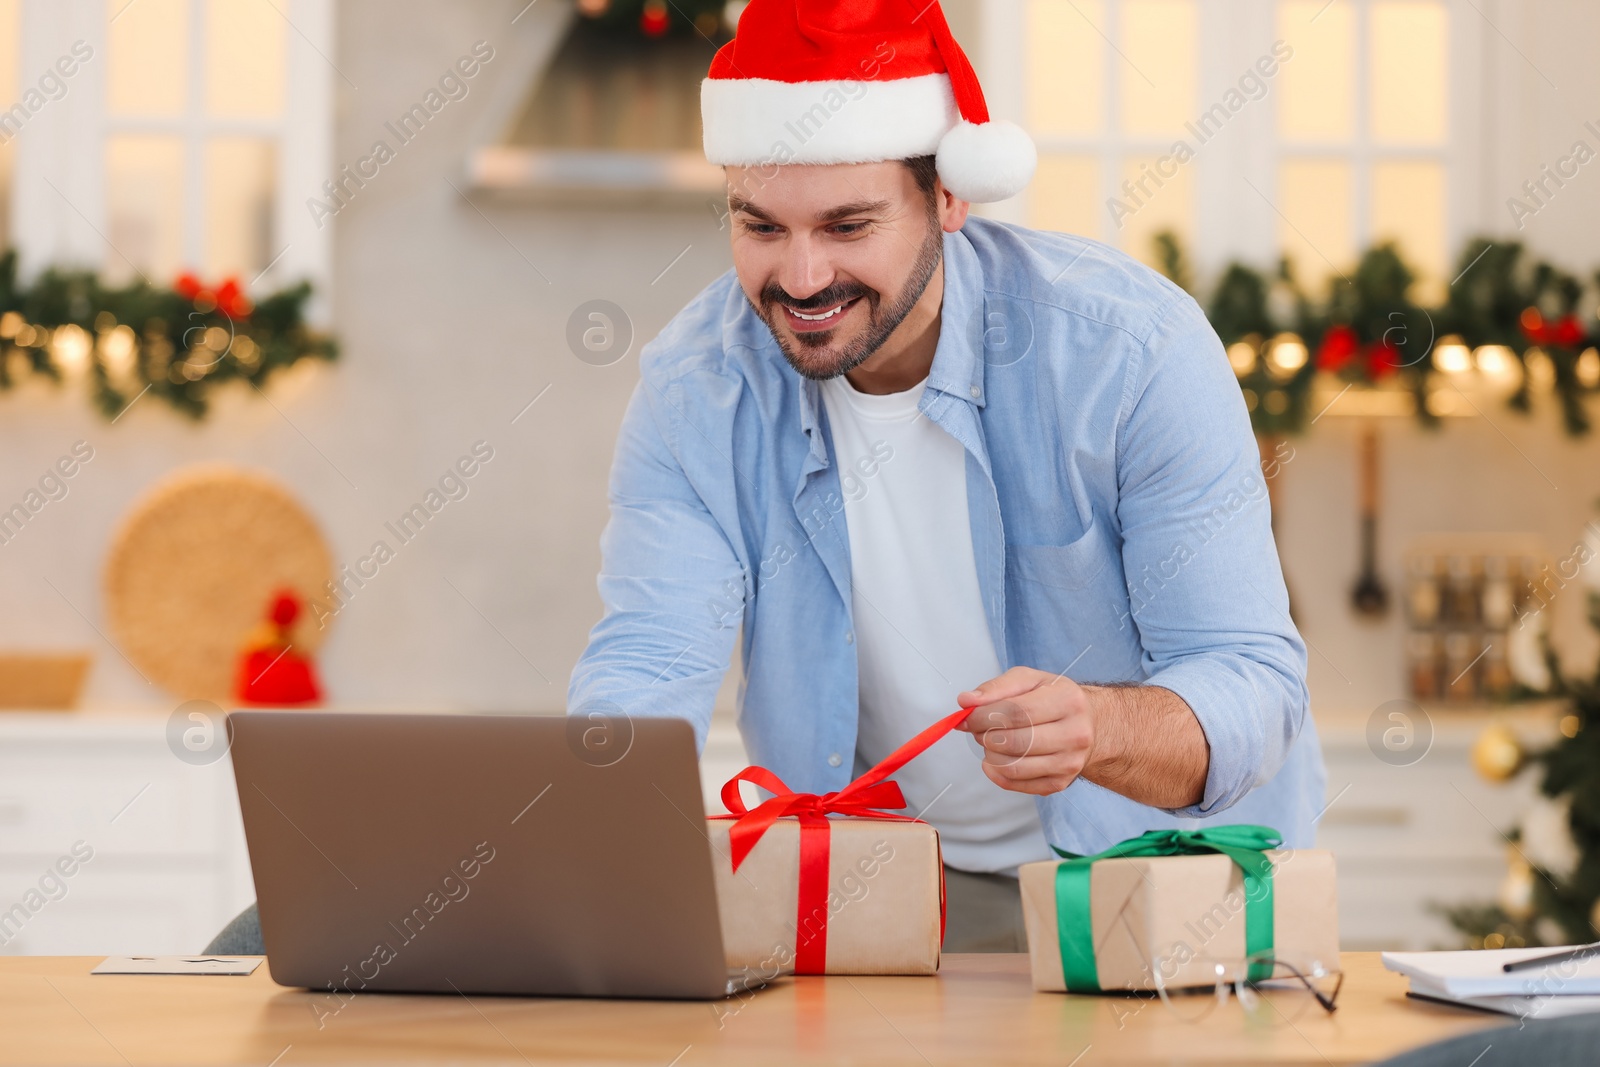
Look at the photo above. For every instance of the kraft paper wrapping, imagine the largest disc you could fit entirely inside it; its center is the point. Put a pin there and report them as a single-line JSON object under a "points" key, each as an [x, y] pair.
{"points": [[883, 898], [1181, 910]]}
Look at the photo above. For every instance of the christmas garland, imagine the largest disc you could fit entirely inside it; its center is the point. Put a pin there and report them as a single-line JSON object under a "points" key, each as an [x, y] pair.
{"points": [[712, 19], [1501, 314], [176, 344]]}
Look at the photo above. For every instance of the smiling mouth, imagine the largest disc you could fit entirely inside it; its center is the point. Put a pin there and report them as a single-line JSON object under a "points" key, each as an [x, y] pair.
{"points": [[806, 321]]}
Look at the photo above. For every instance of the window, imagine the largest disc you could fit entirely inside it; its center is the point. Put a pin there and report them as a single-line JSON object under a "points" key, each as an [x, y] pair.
{"points": [[1101, 117], [1362, 127], [188, 138], [10, 24], [1300, 127], [194, 111]]}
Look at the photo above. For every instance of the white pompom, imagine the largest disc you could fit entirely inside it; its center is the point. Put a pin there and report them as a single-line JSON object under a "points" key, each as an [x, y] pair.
{"points": [[983, 164]]}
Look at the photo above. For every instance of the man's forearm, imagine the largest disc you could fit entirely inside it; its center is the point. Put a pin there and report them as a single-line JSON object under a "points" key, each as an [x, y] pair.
{"points": [[1148, 745]]}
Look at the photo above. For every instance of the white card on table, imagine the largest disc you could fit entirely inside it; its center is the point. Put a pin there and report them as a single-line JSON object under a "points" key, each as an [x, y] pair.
{"points": [[178, 965]]}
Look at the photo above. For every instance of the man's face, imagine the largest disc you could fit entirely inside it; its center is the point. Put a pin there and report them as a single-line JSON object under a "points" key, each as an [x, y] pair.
{"points": [[834, 258]]}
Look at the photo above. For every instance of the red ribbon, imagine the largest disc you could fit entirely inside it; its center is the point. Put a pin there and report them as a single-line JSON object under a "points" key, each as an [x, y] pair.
{"points": [[863, 798]]}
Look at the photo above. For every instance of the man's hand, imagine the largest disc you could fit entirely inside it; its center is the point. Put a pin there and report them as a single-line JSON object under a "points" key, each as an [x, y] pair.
{"points": [[1041, 732], [1037, 730]]}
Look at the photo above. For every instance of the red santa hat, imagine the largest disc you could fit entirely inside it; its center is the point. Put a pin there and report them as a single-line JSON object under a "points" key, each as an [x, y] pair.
{"points": [[858, 81]]}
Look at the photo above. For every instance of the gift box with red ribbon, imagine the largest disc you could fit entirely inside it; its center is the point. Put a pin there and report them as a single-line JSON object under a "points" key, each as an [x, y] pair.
{"points": [[831, 883]]}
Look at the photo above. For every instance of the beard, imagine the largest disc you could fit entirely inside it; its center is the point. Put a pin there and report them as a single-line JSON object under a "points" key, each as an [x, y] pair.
{"points": [[821, 355]]}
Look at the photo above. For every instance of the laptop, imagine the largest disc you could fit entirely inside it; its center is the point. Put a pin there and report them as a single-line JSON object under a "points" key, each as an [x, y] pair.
{"points": [[481, 854]]}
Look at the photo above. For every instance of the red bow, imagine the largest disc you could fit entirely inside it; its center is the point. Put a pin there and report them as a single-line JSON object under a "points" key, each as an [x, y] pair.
{"points": [[862, 797], [228, 297], [1339, 345], [1563, 333]]}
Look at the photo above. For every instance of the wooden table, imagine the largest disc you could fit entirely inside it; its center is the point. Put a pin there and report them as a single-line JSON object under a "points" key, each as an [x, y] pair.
{"points": [[978, 1009]]}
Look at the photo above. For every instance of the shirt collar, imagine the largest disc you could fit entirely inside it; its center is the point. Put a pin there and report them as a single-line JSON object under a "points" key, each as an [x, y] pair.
{"points": [[958, 359]]}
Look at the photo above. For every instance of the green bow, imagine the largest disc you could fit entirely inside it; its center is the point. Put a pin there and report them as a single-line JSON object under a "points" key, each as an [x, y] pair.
{"points": [[1245, 845]]}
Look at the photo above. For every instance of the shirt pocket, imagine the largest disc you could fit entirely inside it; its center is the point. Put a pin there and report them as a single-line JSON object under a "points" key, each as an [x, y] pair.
{"points": [[1072, 566], [1064, 608]]}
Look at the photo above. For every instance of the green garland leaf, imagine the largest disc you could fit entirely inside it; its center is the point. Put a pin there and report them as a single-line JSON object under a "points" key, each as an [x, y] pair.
{"points": [[177, 346]]}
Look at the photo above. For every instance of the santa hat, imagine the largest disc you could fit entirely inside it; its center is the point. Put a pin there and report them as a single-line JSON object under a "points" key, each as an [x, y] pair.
{"points": [[858, 81]]}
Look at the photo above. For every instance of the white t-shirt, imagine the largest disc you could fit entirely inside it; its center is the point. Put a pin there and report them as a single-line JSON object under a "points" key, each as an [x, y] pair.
{"points": [[921, 635]]}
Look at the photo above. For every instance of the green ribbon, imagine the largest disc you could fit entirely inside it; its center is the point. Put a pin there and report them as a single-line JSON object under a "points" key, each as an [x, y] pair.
{"points": [[1245, 845]]}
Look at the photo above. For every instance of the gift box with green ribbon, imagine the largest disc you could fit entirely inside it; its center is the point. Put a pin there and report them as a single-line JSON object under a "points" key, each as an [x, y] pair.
{"points": [[1175, 902]]}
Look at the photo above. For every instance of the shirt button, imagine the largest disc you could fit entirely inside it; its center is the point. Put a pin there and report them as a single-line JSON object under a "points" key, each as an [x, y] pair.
{"points": [[849, 637], [835, 759], [976, 392]]}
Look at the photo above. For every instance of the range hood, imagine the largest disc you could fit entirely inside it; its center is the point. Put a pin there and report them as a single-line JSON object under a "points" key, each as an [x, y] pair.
{"points": [[610, 121]]}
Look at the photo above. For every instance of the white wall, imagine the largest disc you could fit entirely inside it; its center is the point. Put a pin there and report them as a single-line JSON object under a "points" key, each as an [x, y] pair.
{"points": [[448, 331], [1464, 477], [1541, 86]]}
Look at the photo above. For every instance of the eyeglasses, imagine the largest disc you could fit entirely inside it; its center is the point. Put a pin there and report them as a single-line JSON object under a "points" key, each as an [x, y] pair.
{"points": [[1200, 985]]}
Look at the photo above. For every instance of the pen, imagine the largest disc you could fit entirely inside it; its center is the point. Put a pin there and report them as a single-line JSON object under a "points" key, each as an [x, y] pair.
{"points": [[1554, 957]]}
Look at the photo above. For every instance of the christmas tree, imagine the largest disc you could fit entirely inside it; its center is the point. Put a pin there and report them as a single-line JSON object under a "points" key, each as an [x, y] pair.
{"points": [[1552, 890]]}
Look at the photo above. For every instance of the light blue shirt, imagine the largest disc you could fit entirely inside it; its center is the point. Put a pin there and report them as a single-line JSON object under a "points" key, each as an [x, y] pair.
{"points": [[1119, 520]]}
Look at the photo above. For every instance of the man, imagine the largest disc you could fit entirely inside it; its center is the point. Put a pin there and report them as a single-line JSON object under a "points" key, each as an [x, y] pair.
{"points": [[914, 460]]}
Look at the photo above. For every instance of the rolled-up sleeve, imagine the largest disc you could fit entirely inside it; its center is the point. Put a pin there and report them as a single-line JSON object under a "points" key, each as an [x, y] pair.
{"points": [[1204, 580], [671, 585]]}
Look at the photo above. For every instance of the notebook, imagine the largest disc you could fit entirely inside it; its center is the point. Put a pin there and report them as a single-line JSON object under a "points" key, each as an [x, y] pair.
{"points": [[1480, 973], [1520, 1007]]}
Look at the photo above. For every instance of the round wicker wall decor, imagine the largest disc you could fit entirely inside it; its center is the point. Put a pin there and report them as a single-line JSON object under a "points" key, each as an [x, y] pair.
{"points": [[193, 569]]}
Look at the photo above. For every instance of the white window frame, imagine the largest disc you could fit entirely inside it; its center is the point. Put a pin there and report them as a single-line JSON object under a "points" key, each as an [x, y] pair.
{"points": [[59, 205], [1230, 221]]}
